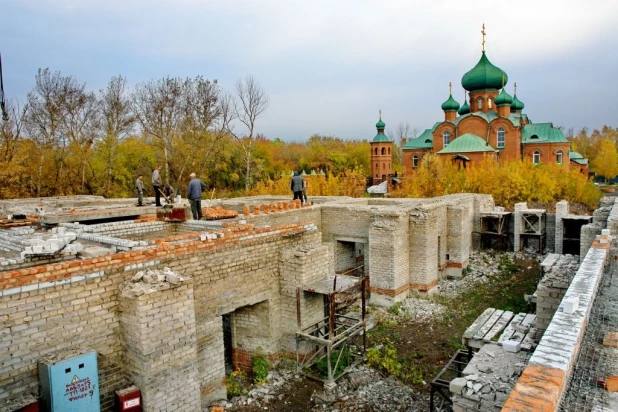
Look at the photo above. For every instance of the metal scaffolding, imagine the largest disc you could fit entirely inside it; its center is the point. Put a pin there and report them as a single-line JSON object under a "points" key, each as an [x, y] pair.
{"points": [[495, 230], [330, 338]]}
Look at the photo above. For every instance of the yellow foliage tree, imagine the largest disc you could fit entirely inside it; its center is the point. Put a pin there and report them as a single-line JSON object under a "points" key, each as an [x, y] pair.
{"points": [[606, 162]]}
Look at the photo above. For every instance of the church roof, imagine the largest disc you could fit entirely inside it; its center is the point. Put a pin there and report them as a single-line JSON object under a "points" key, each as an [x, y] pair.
{"points": [[578, 158], [424, 141], [484, 76], [467, 143], [542, 133]]}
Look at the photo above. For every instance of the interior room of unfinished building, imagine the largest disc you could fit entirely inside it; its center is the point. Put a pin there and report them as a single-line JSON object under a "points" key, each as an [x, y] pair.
{"points": [[119, 296]]}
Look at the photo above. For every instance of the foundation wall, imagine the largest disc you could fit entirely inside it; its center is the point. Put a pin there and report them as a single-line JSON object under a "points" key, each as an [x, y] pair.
{"points": [[76, 304]]}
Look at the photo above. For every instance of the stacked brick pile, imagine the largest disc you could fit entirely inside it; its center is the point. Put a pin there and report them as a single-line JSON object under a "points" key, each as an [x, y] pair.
{"points": [[552, 288], [214, 213]]}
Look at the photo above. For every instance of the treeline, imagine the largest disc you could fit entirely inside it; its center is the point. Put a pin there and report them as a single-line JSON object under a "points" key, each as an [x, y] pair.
{"points": [[66, 140]]}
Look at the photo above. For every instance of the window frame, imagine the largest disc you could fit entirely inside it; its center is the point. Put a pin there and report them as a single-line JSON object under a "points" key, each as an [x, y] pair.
{"points": [[536, 157], [559, 157], [500, 132], [415, 162], [446, 138]]}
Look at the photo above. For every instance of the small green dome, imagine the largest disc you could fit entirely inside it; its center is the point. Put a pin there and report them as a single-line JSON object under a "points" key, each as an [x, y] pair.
{"points": [[517, 105], [450, 105], [380, 124], [380, 137], [483, 76], [464, 109], [503, 99]]}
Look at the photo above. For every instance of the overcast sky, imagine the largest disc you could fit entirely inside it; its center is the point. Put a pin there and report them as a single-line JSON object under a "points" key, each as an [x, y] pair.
{"points": [[329, 66]]}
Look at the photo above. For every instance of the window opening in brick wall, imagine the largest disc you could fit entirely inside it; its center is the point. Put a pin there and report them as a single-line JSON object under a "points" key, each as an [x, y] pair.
{"points": [[500, 137]]}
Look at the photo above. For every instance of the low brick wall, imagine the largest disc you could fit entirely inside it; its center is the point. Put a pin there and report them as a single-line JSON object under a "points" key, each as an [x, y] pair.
{"points": [[543, 382]]}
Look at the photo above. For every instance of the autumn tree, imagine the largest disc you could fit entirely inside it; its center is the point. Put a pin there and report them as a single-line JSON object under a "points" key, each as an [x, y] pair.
{"points": [[159, 110], [44, 123], [117, 123], [606, 162], [251, 101]]}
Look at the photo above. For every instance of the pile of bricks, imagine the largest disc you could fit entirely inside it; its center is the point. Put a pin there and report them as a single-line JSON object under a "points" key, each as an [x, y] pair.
{"points": [[214, 213]]}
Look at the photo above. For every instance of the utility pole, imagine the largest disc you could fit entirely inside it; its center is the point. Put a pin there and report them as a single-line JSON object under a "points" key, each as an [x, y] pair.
{"points": [[5, 116]]}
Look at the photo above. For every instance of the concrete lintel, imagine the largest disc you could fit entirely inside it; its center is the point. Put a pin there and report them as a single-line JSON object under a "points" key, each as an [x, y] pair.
{"points": [[351, 239], [252, 300]]}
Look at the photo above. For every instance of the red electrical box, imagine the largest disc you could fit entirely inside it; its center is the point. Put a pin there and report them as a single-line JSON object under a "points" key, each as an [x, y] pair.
{"points": [[129, 399]]}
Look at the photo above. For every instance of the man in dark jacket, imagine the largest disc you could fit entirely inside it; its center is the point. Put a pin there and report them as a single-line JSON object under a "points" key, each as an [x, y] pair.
{"points": [[195, 196], [156, 185], [297, 187]]}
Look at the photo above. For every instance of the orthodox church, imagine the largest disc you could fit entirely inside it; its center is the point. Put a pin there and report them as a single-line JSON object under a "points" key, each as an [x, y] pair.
{"points": [[490, 123]]}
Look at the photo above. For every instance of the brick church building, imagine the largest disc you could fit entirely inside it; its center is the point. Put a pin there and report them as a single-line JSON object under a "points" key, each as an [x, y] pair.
{"points": [[490, 123]]}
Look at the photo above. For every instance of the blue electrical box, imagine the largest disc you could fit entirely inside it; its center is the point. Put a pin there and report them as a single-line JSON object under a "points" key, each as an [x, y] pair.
{"points": [[70, 383]]}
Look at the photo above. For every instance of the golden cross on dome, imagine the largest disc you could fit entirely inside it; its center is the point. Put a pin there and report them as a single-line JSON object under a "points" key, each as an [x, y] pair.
{"points": [[483, 33], [380, 113], [450, 88], [515, 88]]}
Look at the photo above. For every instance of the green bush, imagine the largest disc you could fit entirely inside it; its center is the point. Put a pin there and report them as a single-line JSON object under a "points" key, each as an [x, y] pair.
{"points": [[385, 357], [260, 367], [322, 365], [236, 383]]}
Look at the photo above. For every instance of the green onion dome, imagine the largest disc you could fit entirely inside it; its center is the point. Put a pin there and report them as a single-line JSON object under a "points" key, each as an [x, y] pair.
{"points": [[464, 109], [503, 99], [484, 76], [517, 105], [450, 105]]}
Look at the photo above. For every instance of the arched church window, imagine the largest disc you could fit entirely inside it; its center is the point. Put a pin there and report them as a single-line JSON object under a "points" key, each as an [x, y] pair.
{"points": [[536, 157], [479, 103], [383, 166], [489, 101], [559, 157], [389, 150], [446, 137], [376, 151], [500, 137], [383, 151], [415, 162]]}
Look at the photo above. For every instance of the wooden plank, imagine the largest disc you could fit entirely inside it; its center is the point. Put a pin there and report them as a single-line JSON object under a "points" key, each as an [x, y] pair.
{"points": [[611, 383], [527, 343], [611, 339], [510, 329], [489, 324], [498, 326], [480, 321], [528, 320]]}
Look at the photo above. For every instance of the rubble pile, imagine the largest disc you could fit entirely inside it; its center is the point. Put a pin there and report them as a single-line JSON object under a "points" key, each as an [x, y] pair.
{"points": [[482, 267], [488, 379], [360, 389], [148, 281]]}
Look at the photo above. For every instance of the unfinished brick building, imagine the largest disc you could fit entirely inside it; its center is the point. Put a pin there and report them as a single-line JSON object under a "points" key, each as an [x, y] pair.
{"points": [[173, 306]]}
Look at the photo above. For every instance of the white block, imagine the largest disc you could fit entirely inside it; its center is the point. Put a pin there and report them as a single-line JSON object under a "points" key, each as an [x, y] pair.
{"points": [[570, 305], [511, 346], [605, 232]]}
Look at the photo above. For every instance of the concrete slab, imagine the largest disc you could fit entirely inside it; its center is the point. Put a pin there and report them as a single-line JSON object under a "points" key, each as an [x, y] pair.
{"points": [[56, 218]]}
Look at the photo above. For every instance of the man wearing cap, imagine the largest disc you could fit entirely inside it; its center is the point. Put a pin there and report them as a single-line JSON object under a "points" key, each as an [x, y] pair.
{"points": [[195, 196]]}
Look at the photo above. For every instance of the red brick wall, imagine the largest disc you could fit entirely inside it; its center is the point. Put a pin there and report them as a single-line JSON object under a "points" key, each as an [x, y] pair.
{"points": [[548, 152], [381, 164]]}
